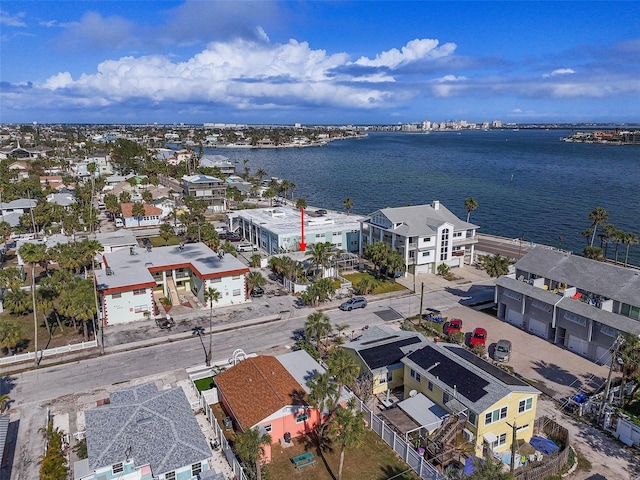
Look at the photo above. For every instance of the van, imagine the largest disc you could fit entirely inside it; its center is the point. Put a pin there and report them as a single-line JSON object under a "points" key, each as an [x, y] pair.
{"points": [[119, 223], [246, 247]]}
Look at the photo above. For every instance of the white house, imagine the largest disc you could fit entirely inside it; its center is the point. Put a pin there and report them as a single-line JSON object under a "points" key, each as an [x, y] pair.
{"points": [[425, 235], [130, 278], [151, 217]]}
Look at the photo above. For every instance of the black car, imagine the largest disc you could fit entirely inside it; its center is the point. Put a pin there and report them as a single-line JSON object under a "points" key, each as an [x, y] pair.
{"points": [[322, 211], [257, 292]]}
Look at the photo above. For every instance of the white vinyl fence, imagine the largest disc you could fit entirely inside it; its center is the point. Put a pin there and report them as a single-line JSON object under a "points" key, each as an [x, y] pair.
{"points": [[416, 461], [50, 352]]}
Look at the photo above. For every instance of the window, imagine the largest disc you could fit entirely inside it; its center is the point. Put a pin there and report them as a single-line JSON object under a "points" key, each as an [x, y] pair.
{"points": [[196, 469], [572, 317], [607, 330], [502, 439], [426, 254], [117, 468], [267, 428], [302, 417], [541, 305], [141, 308], [236, 292], [415, 375], [473, 418], [512, 294], [496, 415], [140, 291], [116, 295], [170, 476], [430, 386], [235, 277], [525, 405], [215, 280], [630, 311], [522, 428]]}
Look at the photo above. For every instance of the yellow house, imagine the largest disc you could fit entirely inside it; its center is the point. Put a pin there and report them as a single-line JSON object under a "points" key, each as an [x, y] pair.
{"points": [[485, 402], [379, 351]]}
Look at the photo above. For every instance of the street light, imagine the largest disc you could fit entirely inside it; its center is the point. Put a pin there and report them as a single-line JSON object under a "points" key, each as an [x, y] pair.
{"points": [[199, 331]]}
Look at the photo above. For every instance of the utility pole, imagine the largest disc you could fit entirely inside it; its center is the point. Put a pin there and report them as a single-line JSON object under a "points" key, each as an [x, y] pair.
{"points": [[421, 299], [514, 445], [619, 341]]}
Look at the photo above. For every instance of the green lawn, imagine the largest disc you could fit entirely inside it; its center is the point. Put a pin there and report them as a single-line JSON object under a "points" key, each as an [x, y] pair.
{"points": [[372, 460], [159, 242], [384, 286], [204, 384]]}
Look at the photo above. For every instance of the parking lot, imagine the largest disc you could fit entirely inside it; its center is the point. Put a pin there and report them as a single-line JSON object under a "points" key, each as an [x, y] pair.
{"points": [[556, 371]]}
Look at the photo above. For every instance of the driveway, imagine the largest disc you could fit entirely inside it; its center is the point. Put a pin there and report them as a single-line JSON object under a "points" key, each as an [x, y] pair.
{"points": [[559, 373]]}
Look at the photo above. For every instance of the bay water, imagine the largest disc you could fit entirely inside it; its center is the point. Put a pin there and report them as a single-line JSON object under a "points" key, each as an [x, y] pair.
{"points": [[528, 183]]}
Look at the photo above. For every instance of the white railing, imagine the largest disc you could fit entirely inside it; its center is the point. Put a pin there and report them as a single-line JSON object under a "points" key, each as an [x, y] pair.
{"points": [[412, 458], [50, 352]]}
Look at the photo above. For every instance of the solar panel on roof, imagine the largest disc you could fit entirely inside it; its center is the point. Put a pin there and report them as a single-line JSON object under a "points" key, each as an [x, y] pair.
{"points": [[378, 340], [387, 354], [455, 376], [485, 366]]}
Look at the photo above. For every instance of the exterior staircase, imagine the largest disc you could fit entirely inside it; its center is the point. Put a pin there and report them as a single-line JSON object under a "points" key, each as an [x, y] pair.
{"points": [[437, 443], [173, 291]]}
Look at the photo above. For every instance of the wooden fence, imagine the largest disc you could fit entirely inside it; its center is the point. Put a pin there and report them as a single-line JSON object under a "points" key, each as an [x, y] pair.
{"points": [[551, 465]]}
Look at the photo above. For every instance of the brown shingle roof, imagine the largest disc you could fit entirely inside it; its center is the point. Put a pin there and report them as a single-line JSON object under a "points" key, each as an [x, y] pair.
{"points": [[127, 210], [256, 388]]}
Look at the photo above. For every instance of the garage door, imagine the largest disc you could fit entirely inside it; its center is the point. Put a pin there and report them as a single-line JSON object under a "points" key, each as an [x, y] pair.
{"points": [[603, 356], [514, 317], [577, 345], [538, 328]]}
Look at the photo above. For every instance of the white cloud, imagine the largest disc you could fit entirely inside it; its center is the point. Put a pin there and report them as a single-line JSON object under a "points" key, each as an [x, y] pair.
{"points": [[417, 49], [12, 20], [559, 71], [243, 73]]}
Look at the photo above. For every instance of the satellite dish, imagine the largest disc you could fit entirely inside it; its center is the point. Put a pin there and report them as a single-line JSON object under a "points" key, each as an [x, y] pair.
{"points": [[413, 393]]}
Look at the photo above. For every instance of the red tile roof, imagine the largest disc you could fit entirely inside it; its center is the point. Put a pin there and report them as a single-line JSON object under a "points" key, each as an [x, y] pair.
{"points": [[127, 209], [258, 387]]}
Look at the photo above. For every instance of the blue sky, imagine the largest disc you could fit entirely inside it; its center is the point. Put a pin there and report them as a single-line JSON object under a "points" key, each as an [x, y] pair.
{"points": [[318, 62]]}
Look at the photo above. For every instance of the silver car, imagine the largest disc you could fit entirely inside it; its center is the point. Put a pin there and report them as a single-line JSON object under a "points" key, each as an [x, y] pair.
{"points": [[355, 302], [502, 351]]}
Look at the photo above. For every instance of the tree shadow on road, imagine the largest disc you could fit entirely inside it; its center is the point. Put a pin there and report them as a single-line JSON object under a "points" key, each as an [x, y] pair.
{"points": [[615, 451], [472, 295], [556, 374]]}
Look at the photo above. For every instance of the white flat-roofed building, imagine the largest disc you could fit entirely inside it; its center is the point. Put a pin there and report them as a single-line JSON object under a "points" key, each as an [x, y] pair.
{"points": [[279, 229], [130, 278]]}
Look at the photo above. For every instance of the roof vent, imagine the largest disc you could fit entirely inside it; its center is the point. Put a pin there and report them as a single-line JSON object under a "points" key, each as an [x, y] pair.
{"points": [[109, 271]]}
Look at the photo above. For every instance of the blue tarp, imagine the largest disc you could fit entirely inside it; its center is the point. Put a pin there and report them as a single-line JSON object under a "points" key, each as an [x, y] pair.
{"points": [[544, 445], [470, 465]]}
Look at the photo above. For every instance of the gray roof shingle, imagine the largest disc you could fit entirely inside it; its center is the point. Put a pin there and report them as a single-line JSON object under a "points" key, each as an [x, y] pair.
{"points": [[153, 427]]}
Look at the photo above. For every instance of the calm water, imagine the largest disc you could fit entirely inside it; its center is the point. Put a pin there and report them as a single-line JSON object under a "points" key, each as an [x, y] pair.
{"points": [[526, 182]]}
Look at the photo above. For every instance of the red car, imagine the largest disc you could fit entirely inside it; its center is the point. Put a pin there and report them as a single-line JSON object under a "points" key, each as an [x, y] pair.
{"points": [[478, 337], [454, 325]]}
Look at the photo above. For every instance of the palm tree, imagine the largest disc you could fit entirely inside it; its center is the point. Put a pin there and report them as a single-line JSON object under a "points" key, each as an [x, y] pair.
{"points": [[147, 196], [348, 430], [269, 193], [211, 295], [598, 217], [10, 334], [323, 396], [125, 197], [470, 204], [33, 254], [608, 231], [319, 255], [593, 253], [249, 446], [489, 469], [255, 260], [317, 326], [618, 236], [5, 399], [629, 355], [495, 265], [166, 232], [630, 239], [112, 204], [348, 204], [343, 367], [138, 211], [255, 279], [260, 174], [301, 204]]}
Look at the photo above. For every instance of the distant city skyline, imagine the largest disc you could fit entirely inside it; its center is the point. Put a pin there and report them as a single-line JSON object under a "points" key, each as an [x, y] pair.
{"points": [[319, 62]]}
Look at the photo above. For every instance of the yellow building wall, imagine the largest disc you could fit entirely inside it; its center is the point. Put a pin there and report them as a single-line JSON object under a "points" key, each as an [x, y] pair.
{"points": [[480, 429]]}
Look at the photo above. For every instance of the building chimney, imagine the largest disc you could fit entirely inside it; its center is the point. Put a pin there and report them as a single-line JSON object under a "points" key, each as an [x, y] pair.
{"points": [[436, 204]]}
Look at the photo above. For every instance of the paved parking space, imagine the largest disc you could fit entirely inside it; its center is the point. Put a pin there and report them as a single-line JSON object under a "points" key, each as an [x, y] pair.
{"points": [[556, 371]]}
